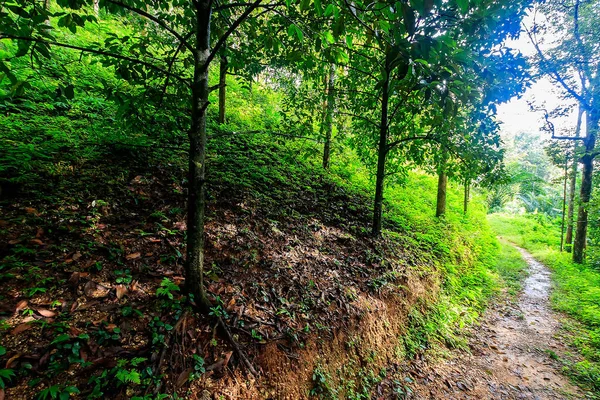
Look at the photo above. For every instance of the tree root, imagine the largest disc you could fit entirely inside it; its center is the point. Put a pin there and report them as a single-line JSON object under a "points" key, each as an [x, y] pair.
{"points": [[237, 349]]}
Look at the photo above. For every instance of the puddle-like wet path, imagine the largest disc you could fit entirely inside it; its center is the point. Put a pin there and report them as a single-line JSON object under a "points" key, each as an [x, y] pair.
{"points": [[511, 352]]}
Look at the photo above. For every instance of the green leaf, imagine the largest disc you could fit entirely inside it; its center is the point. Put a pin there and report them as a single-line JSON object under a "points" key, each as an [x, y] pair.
{"points": [[463, 6], [61, 338], [349, 41], [329, 10], [318, 8], [408, 15]]}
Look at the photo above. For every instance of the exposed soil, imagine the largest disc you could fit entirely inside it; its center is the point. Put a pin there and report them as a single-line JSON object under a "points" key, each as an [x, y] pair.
{"points": [[510, 352]]}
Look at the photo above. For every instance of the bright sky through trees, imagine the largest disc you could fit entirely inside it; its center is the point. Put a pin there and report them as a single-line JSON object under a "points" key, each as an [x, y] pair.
{"points": [[517, 116]]}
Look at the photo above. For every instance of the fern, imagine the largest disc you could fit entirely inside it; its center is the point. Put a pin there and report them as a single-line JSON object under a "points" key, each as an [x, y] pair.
{"points": [[126, 376]]}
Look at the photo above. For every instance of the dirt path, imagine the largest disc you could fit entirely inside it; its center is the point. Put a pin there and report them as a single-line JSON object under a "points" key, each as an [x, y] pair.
{"points": [[510, 352]]}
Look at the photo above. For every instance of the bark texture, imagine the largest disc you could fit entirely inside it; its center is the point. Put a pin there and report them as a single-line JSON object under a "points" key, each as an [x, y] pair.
{"points": [[440, 208], [573, 187], [467, 195], [381, 155], [329, 116], [592, 117], [197, 156]]}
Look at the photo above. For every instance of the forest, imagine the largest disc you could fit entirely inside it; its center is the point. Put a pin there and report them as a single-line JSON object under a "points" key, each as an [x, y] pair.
{"points": [[222, 199]]}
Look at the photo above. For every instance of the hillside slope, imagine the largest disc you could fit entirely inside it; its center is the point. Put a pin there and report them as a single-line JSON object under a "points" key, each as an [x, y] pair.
{"points": [[93, 263]]}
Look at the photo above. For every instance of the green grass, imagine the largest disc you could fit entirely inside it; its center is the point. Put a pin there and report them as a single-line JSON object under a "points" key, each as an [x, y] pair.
{"points": [[511, 267], [577, 292]]}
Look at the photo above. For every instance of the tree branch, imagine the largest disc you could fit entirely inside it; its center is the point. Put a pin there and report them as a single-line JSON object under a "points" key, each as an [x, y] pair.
{"points": [[99, 52], [408, 139], [375, 124], [554, 72], [156, 20], [231, 29], [171, 63], [233, 5]]}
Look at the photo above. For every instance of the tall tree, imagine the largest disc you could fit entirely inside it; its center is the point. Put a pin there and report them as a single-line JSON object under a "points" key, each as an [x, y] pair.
{"points": [[573, 186], [571, 62], [139, 59]]}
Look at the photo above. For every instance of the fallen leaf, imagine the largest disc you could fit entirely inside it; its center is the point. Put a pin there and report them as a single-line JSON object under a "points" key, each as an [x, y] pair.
{"points": [[44, 359], [76, 256], [21, 306], [30, 210], [183, 377], [92, 289], [15, 241], [133, 256], [74, 331], [154, 240], [1, 394], [40, 233], [219, 366], [20, 328], [74, 279], [121, 291], [37, 241], [46, 313], [231, 304], [12, 359], [98, 322]]}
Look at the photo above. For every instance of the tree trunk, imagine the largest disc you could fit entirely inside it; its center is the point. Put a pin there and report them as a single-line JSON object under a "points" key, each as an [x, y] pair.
{"points": [[441, 194], [572, 187], [562, 225], [381, 155], [96, 6], [222, 88], [194, 274], [587, 160], [466, 198], [329, 116]]}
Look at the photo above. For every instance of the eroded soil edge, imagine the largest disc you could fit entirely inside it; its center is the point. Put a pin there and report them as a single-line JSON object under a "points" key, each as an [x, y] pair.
{"points": [[510, 352]]}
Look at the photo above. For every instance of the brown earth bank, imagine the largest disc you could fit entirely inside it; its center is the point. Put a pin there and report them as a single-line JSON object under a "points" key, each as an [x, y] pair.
{"points": [[513, 352]]}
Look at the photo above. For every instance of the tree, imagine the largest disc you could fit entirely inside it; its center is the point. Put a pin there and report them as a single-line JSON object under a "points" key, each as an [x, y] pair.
{"points": [[572, 187], [572, 64], [421, 79], [139, 59]]}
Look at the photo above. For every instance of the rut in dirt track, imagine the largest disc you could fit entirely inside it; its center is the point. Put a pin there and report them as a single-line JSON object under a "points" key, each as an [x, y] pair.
{"points": [[510, 352]]}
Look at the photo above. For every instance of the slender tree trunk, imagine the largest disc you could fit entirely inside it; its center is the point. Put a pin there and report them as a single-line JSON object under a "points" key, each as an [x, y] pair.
{"points": [[381, 156], [197, 191], [329, 116], [466, 198], [96, 6], [441, 193], [572, 186], [587, 160], [222, 88], [564, 205]]}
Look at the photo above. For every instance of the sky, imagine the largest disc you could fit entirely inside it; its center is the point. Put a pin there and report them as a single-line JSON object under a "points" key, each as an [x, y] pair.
{"points": [[516, 115]]}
